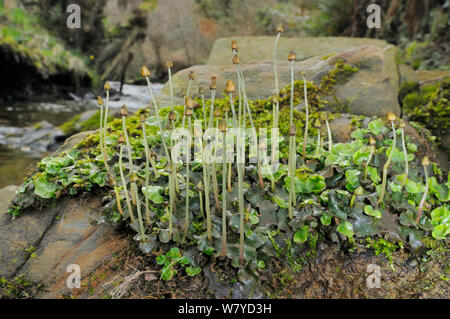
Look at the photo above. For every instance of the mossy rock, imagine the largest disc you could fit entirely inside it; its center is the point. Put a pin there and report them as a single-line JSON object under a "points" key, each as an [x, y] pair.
{"points": [[34, 59], [73, 170], [86, 121], [362, 85], [260, 48]]}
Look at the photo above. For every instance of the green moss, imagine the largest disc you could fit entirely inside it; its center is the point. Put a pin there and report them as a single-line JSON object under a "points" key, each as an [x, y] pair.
{"points": [[69, 128], [37, 126], [338, 75], [326, 57], [19, 287], [428, 105], [406, 88], [413, 53], [73, 125], [383, 246]]}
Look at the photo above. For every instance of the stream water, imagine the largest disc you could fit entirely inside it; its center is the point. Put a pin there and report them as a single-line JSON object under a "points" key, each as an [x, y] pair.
{"points": [[15, 163]]}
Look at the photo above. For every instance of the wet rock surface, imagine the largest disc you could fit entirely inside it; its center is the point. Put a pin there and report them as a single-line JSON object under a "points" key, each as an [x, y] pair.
{"points": [[41, 137], [6, 195], [41, 244]]}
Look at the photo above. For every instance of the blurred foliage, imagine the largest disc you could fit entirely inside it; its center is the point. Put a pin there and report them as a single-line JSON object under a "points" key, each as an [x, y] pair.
{"points": [[425, 23], [22, 35]]}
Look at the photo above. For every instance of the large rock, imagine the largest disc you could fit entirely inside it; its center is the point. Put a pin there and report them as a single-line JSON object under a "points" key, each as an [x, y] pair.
{"points": [[426, 76], [368, 92], [41, 244], [72, 239], [253, 49], [18, 235], [6, 195], [407, 74]]}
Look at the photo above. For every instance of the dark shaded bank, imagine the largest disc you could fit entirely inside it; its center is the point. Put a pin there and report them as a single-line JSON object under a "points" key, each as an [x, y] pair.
{"points": [[21, 79], [34, 63]]}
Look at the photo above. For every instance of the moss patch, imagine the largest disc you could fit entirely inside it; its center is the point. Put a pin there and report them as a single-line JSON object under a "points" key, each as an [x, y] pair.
{"points": [[19, 287], [73, 125], [428, 105]]}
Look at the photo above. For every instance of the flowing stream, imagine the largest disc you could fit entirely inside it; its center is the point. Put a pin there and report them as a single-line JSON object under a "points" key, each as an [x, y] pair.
{"points": [[16, 159]]}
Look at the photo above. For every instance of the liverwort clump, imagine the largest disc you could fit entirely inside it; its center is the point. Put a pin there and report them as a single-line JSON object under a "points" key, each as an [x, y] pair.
{"points": [[254, 226]]}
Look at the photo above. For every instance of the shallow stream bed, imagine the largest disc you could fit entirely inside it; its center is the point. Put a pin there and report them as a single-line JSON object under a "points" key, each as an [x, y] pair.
{"points": [[16, 162]]}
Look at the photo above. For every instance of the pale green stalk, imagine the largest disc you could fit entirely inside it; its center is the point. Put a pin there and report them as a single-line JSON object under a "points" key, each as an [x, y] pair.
{"points": [[206, 181], [172, 177], [207, 203], [204, 111], [171, 204], [330, 140], [171, 88], [189, 88], [124, 185], [163, 139], [318, 142], [106, 118], [240, 171], [386, 166], [153, 164], [118, 201], [424, 197], [405, 154], [130, 155], [213, 96], [292, 175], [186, 218], [372, 149], [138, 205], [224, 196], [292, 146], [102, 150], [147, 172], [229, 164], [277, 89], [215, 184], [105, 147], [246, 105], [305, 138], [105, 160], [246, 108]]}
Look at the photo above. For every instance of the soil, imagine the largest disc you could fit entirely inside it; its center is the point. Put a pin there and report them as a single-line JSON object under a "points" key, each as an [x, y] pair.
{"points": [[331, 274]]}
